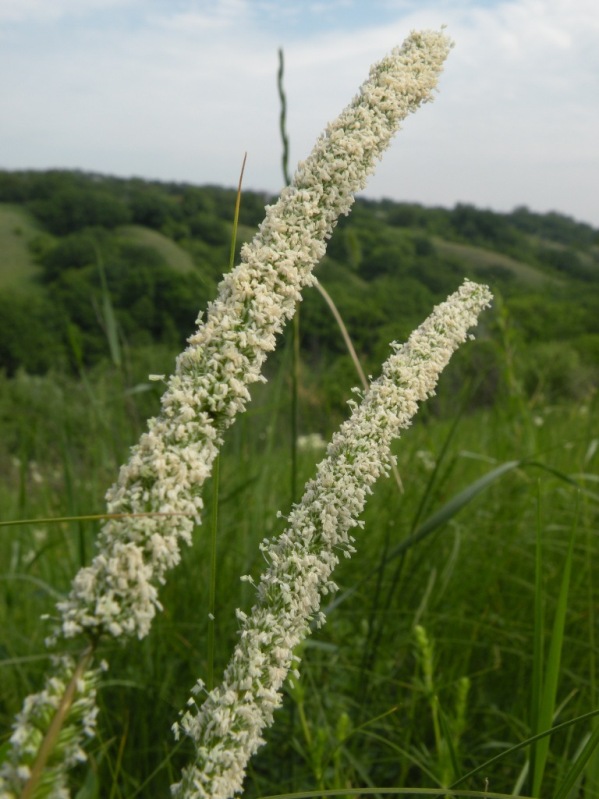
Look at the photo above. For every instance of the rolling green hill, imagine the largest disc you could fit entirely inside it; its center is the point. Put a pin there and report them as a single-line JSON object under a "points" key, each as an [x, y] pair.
{"points": [[476, 573], [483, 259], [17, 263], [174, 255], [154, 252]]}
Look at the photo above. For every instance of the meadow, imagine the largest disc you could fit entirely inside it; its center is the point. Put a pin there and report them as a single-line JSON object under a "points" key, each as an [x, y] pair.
{"points": [[459, 652], [478, 569]]}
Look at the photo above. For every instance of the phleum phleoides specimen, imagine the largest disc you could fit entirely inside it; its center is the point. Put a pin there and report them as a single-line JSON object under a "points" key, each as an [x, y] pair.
{"points": [[227, 727], [158, 492], [118, 593]]}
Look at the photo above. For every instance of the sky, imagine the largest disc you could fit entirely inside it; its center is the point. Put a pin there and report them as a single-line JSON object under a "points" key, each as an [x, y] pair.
{"points": [[179, 90]]}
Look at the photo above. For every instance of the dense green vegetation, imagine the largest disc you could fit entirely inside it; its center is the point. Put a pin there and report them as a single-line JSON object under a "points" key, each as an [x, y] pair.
{"points": [[80, 247], [106, 280]]}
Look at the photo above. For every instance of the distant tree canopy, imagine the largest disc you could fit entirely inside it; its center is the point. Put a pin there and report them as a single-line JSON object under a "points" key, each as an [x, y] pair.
{"points": [[386, 265], [72, 209]]}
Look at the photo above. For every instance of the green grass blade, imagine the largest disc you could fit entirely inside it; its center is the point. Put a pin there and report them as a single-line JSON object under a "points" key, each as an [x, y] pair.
{"points": [[591, 776], [522, 745], [108, 316], [538, 637], [283, 118], [295, 327], [451, 508], [577, 767], [433, 478], [36, 581], [212, 591], [433, 523], [86, 517], [448, 738], [374, 791], [294, 409], [551, 677], [236, 215], [463, 498]]}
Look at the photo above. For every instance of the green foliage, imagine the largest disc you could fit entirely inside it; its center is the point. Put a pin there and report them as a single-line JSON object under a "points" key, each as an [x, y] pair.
{"points": [[71, 209], [569, 262], [151, 207], [554, 227], [165, 246], [30, 333], [74, 251], [455, 555], [172, 253], [17, 263], [425, 665]]}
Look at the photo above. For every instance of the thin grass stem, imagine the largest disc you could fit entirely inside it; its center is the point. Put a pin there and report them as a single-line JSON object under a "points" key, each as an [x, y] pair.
{"points": [[50, 738], [212, 593]]}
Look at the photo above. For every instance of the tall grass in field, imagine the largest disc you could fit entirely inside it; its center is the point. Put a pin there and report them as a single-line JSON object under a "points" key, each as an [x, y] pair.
{"points": [[361, 713], [462, 634]]}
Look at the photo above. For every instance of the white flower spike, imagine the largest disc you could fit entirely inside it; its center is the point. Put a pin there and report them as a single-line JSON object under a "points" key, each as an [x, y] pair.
{"points": [[157, 494], [118, 592], [227, 728]]}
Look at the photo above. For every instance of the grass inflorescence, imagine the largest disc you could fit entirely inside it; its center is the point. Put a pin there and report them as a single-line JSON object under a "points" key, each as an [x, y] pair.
{"points": [[458, 659]]}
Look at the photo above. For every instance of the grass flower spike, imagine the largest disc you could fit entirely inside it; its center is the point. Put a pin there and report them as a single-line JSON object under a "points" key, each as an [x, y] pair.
{"points": [[118, 592], [157, 496], [227, 728], [69, 692]]}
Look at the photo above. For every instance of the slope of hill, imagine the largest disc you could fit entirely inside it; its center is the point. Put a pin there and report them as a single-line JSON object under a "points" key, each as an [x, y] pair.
{"points": [[484, 260], [18, 229], [174, 256], [155, 252]]}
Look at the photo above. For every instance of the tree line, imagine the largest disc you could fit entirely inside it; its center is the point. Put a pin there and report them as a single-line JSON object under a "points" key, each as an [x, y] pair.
{"points": [[386, 265]]}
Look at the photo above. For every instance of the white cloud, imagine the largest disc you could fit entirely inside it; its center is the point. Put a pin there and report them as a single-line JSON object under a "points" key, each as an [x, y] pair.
{"points": [[179, 90], [40, 11]]}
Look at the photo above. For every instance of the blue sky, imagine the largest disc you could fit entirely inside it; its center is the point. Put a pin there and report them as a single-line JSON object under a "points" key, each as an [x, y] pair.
{"points": [[180, 89]]}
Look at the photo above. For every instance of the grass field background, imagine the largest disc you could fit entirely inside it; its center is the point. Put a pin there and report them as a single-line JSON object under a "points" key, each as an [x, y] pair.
{"points": [[364, 712], [17, 263], [466, 623]]}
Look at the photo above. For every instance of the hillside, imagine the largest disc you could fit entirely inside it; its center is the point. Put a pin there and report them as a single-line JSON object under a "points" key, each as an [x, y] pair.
{"points": [[487, 261], [18, 228], [74, 244], [174, 256]]}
